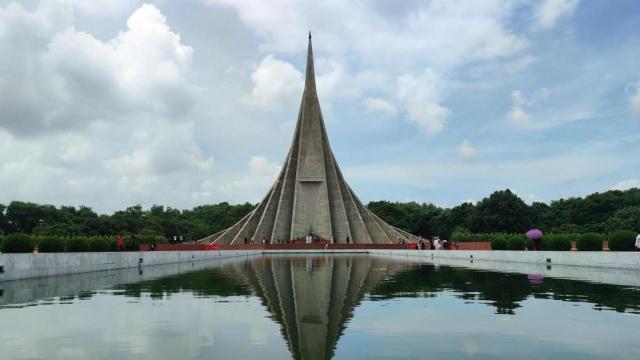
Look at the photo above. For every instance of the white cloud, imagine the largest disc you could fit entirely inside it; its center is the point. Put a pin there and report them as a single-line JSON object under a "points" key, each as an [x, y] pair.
{"points": [[421, 97], [168, 149], [466, 150], [549, 12], [517, 114], [259, 165], [330, 77], [521, 106], [626, 184], [634, 98], [87, 121], [103, 7], [251, 186], [444, 32], [438, 35], [381, 106], [275, 83], [69, 79], [103, 102]]}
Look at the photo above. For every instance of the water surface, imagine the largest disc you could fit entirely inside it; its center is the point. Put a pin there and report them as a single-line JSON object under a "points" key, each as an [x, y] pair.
{"points": [[319, 307]]}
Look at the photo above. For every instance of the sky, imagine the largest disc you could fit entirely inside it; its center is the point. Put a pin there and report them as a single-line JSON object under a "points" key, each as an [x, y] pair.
{"points": [[112, 103]]}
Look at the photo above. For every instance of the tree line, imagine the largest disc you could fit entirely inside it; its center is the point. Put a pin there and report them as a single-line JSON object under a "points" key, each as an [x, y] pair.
{"points": [[501, 212], [504, 212], [36, 219]]}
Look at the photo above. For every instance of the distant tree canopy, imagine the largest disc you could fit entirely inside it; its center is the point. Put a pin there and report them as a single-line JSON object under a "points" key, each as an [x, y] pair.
{"points": [[199, 222], [502, 211]]}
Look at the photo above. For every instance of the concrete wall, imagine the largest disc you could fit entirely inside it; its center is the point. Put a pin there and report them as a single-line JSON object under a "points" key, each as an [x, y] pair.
{"points": [[24, 266], [33, 289], [614, 276], [604, 259]]}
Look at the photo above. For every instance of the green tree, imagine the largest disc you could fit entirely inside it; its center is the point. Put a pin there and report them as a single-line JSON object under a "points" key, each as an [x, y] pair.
{"points": [[627, 218], [503, 211]]}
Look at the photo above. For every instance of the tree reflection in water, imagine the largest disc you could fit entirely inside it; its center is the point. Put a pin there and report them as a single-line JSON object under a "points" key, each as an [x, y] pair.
{"points": [[312, 298]]}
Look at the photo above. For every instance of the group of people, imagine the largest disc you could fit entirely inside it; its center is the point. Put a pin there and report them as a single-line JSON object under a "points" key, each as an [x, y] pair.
{"points": [[308, 239], [434, 243]]}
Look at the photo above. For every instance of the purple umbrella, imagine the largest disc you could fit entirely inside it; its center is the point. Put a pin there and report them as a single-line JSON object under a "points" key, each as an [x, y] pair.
{"points": [[534, 234], [535, 279]]}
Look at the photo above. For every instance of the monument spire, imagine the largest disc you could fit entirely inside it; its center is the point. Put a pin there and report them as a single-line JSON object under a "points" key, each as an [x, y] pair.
{"points": [[310, 80], [310, 194]]}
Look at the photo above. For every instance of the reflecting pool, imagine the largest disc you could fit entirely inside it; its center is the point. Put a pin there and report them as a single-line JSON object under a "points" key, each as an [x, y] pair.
{"points": [[316, 307]]}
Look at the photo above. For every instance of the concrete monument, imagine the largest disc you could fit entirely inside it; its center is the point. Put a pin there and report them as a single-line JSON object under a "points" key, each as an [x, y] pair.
{"points": [[310, 195]]}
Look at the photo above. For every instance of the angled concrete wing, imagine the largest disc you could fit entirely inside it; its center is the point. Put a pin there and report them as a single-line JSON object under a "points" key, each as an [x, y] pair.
{"points": [[310, 195]]}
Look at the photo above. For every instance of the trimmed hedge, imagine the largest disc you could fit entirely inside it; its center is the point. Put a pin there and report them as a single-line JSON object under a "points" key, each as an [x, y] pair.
{"points": [[18, 243], [499, 242], [623, 240], [99, 244], [589, 242], [515, 242], [458, 236], [51, 244], [554, 242], [77, 244]]}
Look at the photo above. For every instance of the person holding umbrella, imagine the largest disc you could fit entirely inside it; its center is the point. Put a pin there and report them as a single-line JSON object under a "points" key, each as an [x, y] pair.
{"points": [[536, 236]]}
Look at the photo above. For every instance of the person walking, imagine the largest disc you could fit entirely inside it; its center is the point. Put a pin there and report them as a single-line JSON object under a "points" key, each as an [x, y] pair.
{"points": [[347, 239], [331, 239], [638, 242], [120, 243], [132, 242]]}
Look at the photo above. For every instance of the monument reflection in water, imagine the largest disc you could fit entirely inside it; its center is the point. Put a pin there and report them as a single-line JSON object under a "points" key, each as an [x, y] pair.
{"points": [[312, 298], [333, 306]]}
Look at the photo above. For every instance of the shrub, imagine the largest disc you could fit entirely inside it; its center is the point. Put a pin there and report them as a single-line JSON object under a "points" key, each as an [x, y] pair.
{"points": [[112, 243], [515, 242], [589, 242], [528, 244], [51, 244], [486, 237], [99, 244], [77, 244], [558, 242], [623, 240], [1, 240], [459, 236], [18, 243], [498, 243]]}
